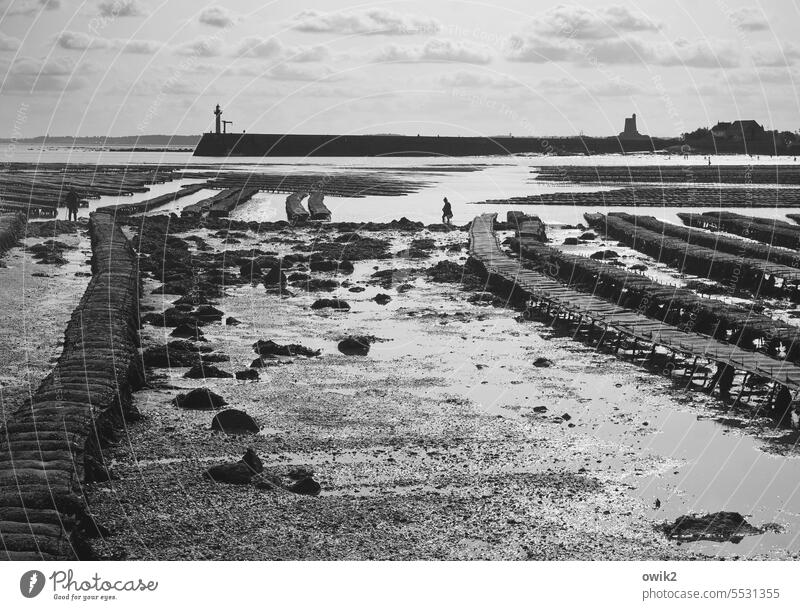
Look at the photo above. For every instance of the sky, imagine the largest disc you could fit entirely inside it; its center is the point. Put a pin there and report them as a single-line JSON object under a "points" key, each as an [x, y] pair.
{"points": [[521, 67]]}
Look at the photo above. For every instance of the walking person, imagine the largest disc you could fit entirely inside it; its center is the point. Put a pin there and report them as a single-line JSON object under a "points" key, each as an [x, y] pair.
{"points": [[72, 202], [447, 213]]}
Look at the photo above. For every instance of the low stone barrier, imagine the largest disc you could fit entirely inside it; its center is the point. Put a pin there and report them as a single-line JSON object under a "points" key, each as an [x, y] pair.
{"points": [[11, 226], [51, 446]]}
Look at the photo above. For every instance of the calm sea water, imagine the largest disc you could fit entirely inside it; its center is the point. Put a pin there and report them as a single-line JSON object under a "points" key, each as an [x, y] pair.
{"points": [[495, 178]]}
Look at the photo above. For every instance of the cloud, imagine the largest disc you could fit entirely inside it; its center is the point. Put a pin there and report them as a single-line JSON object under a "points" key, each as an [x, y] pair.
{"points": [[298, 73], [583, 24], [772, 56], [121, 8], [749, 19], [437, 50], [630, 50], [80, 41], [254, 46], [218, 17], [27, 74], [368, 21], [474, 80], [30, 8], [9, 43], [304, 54], [209, 46], [610, 88]]}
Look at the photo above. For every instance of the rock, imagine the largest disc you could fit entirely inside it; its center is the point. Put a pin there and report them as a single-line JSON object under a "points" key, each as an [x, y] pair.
{"points": [[541, 409], [201, 371], [188, 330], [270, 348], [354, 346], [274, 277], [247, 375], [174, 354], [357, 289], [331, 304], [571, 241], [306, 486], [300, 472], [199, 398], [542, 362], [638, 267], [316, 284], [266, 481], [723, 526], [566, 417], [233, 421], [252, 460], [207, 313], [589, 236], [381, 298], [231, 321], [344, 266], [604, 254], [237, 473]]}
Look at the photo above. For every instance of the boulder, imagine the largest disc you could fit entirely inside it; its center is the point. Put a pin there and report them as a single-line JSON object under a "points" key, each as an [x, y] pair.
{"points": [[234, 421], [381, 298], [355, 346], [188, 330], [331, 304], [274, 277], [722, 526], [542, 362], [306, 486], [199, 398], [270, 348], [201, 371], [207, 313], [344, 266], [604, 254], [236, 473], [588, 236], [247, 375], [231, 321], [571, 241]]}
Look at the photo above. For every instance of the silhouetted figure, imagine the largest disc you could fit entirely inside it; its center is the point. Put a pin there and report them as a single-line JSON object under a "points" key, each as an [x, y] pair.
{"points": [[723, 379], [782, 403], [447, 212], [73, 203]]}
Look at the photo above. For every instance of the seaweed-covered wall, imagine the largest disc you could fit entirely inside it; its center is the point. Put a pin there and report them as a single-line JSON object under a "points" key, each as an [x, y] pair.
{"points": [[51, 446]]}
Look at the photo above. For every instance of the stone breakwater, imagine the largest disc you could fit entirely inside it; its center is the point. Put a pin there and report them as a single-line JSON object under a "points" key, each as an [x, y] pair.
{"points": [[11, 226], [51, 446]]}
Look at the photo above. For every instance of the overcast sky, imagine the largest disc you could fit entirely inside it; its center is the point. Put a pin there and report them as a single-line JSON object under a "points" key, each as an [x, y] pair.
{"points": [[126, 67]]}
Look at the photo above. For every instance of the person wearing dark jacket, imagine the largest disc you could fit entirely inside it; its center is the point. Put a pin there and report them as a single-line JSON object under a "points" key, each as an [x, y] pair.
{"points": [[73, 203], [447, 212]]}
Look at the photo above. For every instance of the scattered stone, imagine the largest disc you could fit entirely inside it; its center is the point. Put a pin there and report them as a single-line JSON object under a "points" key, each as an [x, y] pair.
{"points": [[355, 345], [722, 526], [343, 266], [589, 236], [247, 375], [381, 298], [274, 277], [404, 288], [234, 421], [571, 241], [542, 362], [331, 304], [231, 321], [199, 398], [201, 371], [270, 348], [188, 330], [306, 486], [238, 473], [566, 417], [357, 289], [174, 354], [541, 409], [207, 313], [604, 254], [638, 267]]}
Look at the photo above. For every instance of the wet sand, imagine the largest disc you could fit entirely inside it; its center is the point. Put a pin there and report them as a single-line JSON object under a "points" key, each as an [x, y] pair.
{"points": [[434, 446]]}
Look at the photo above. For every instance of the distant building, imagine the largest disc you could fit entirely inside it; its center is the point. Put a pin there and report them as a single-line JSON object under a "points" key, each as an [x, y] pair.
{"points": [[738, 131], [631, 132]]}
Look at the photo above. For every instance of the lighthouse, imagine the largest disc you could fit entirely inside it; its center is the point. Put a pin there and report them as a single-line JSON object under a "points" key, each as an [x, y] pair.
{"points": [[218, 115]]}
